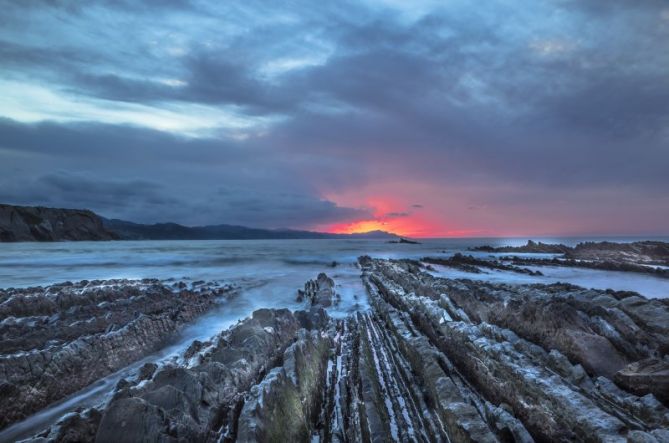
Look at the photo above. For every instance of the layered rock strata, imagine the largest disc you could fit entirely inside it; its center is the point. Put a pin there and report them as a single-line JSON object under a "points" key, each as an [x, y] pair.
{"points": [[58, 339], [319, 292], [531, 247], [644, 257], [467, 263], [618, 266], [543, 354], [641, 252], [432, 360]]}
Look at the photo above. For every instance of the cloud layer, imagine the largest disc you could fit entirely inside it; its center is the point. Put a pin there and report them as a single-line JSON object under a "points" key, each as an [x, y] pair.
{"points": [[429, 118]]}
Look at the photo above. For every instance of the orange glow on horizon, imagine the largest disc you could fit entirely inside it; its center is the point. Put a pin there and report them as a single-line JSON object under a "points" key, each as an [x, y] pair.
{"points": [[403, 227], [395, 213], [359, 227]]}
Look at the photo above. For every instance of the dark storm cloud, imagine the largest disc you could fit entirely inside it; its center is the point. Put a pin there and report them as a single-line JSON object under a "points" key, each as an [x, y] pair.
{"points": [[147, 201], [559, 96], [283, 209], [209, 79], [149, 176]]}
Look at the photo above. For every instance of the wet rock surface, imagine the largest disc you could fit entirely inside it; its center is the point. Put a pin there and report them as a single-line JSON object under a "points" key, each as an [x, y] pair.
{"points": [[531, 247], [601, 265], [646, 376], [219, 388], [285, 405], [319, 292], [58, 339], [648, 252], [467, 263], [434, 359], [544, 354], [647, 257]]}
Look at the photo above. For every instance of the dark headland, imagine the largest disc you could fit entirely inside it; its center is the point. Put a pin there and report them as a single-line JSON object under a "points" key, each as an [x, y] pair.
{"points": [[35, 223]]}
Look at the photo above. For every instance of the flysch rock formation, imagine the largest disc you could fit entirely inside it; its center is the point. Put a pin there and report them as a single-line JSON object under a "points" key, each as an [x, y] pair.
{"points": [[619, 266], [28, 223], [646, 257], [58, 339], [648, 252], [544, 354], [467, 263], [432, 360], [319, 292], [531, 247]]}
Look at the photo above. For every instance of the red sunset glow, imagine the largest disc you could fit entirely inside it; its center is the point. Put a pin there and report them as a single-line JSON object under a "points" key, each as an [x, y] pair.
{"points": [[409, 227], [393, 215]]}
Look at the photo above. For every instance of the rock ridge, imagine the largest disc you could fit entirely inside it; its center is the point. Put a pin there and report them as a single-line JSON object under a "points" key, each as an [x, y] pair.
{"points": [[433, 360], [59, 339]]}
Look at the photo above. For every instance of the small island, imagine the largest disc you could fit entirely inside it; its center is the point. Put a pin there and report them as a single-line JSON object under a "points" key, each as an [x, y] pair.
{"points": [[404, 241]]}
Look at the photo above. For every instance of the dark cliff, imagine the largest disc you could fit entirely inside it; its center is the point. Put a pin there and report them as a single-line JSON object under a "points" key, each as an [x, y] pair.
{"points": [[24, 223]]}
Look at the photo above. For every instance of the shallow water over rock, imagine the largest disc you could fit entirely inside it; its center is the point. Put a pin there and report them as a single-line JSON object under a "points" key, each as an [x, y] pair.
{"points": [[283, 264]]}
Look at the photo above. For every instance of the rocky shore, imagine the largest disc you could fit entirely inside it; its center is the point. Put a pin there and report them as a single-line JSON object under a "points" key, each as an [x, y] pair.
{"points": [[643, 252], [58, 339], [531, 247], [433, 360], [645, 257], [600, 265], [467, 263]]}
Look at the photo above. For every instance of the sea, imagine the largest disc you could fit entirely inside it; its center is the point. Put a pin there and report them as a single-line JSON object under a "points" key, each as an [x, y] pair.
{"points": [[266, 273]]}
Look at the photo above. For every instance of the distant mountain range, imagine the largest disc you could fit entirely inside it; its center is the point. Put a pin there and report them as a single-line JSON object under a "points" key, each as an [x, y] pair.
{"points": [[28, 223], [173, 231]]}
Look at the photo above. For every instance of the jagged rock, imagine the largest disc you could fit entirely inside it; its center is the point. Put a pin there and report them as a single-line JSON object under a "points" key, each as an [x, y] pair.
{"points": [[319, 292], [496, 339], [315, 318], [147, 371], [530, 247], [194, 403], [131, 419], [601, 331], [59, 339], [623, 257], [468, 263], [72, 428], [285, 405], [646, 376], [641, 252], [433, 360], [619, 266], [649, 252]]}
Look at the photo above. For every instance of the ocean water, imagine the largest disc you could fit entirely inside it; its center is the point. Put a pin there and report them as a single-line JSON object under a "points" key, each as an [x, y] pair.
{"points": [[271, 270], [268, 273]]}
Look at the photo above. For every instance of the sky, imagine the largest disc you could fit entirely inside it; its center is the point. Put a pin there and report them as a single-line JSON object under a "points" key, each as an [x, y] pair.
{"points": [[424, 118]]}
